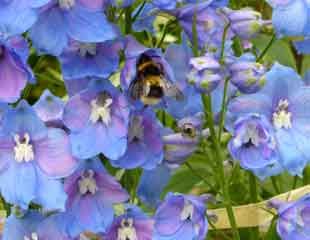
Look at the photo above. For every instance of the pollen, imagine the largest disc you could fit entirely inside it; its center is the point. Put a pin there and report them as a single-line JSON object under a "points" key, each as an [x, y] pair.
{"points": [[66, 4], [127, 230], [34, 236], [282, 117], [23, 149], [87, 183], [101, 112]]}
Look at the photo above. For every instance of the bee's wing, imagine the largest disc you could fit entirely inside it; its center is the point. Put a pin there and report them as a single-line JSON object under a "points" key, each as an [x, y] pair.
{"points": [[136, 88], [172, 90]]}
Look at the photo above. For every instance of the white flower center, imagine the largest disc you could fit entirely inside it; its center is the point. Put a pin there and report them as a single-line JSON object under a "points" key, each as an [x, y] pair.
{"points": [[34, 236], [251, 135], [23, 150], [127, 231], [66, 4], [187, 212], [282, 117], [136, 129], [87, 183], [87, 49], [101, 112]]}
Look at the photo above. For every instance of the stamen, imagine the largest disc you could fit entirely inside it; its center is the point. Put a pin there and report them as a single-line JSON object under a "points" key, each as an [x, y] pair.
{"points": [[101, 112], [187, 212], [34, 236], [282, 117], [127, 230], [66, 4], [23, 150], [87, 49], [87, 183], [136, 129]]}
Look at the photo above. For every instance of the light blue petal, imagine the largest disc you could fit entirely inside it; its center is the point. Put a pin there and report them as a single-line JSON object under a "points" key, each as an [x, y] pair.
{"points": [[49, 33], [55, 198], [152, 184], [88, 26], [18, 184], [291, 19], [303, 47]]}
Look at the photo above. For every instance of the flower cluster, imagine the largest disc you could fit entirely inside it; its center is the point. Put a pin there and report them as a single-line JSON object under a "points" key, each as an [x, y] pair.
{"points": [[66, 163]]}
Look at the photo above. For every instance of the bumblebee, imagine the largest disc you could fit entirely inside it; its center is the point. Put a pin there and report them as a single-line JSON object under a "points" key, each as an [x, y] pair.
{"points": [[150, 84]]}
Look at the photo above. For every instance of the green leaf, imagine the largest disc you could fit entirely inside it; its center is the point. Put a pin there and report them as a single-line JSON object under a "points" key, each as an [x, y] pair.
{"points": [[280, 51]]}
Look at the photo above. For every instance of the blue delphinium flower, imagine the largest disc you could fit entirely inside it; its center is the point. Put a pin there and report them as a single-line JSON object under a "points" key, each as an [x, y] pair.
{"points": [[178, 57], [91, 195], [13, 67], [74, 86], [181, 217], [292, 18], [165, 5], [59, 20], [178, 147], [293, 218], [247, 75], [98, 120], [31, 154], [245, 23], [145, 147], [284, 102], [33, 226], [17, 16], [50, 109], [80, 60], [253, 144], [3, 108], [210, 24], [205, 73], [134, 224]]}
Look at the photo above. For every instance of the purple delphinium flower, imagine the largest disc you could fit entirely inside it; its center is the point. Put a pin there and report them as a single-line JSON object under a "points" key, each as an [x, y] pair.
{"points": [[17, 16], [80, 60], [293, 219], [204, 74], [145, 147], [253, 144], [50, 109], [91, 195], [210, 24], [59, 20], [133, 225], [74, 86], [13, 67], [30, 155], [34, 226], [181, 217], [98, 120], [247, 75], [284, 101], [245, 23], [3, 108]]}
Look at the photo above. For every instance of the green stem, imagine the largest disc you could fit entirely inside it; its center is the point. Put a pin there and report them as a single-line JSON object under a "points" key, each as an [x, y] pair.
{"points": [[223, 235], [128, 20], [138, 12], [223, 109], [262, 55], [223, 43], [165, 32], [220, 164], [275, 185], [254, 199], [195, 36]]}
